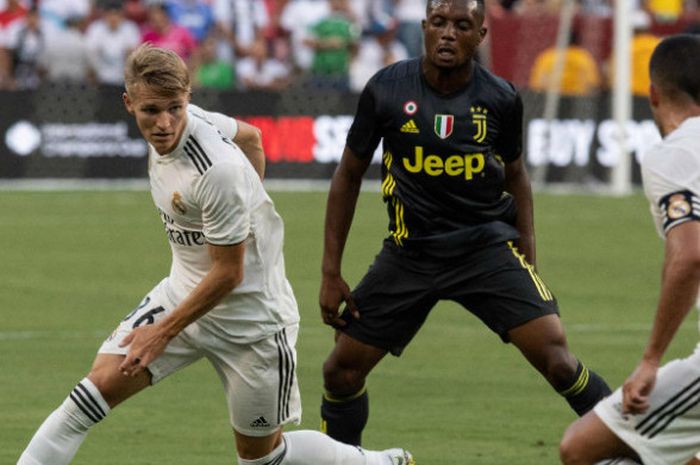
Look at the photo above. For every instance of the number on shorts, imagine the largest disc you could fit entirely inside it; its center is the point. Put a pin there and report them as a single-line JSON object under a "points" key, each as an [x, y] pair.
{"points": [[143, 303], [148, 317]]}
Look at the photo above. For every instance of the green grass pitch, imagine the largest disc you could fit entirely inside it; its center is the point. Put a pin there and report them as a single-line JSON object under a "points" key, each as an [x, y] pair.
{"points": [[72, 264]]}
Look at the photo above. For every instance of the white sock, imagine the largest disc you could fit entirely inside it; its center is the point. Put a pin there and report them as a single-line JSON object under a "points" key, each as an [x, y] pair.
{"points": [[306, 447], [58, 438]]}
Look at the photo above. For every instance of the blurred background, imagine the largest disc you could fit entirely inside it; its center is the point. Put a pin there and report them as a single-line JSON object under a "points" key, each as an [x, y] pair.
{"points": [[295, 69]]}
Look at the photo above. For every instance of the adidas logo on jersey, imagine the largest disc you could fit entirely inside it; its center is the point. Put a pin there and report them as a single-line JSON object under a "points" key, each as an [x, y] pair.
{"points": [[410, 127], [260, 422]]}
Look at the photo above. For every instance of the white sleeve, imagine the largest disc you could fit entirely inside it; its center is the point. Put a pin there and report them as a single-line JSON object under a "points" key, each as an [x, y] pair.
{"points": [[674, 195], [227, 125], [224, 195]]}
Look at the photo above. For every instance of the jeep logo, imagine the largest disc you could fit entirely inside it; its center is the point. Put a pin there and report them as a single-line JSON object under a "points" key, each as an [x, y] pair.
{"points": [[454, 165]]}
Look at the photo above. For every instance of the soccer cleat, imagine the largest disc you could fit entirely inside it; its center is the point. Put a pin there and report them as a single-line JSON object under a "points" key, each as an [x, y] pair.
{"points": [[400, 457]]}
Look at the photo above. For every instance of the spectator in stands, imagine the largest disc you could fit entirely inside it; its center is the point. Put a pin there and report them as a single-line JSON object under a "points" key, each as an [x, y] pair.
{"points": [[210, 71], [274, 33], [65, 56], [260, 71], [160, 31], [242, 22], [378, 49], [409, 14], [665, 11], [642, 46], [14, 11], [196, 15], [136, 11], [334, 41], [25, 40], [58, 12], [579, 75], [110, 38], [296, 19]]}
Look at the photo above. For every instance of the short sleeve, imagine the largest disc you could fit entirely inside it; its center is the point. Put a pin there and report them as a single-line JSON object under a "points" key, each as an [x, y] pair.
{"points": [[364, 134], [223, 194], [510, 141], [672, 202], [225, 124]]}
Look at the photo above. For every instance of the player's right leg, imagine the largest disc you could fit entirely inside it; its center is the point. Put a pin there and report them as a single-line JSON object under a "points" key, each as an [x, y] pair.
{"points": [[304, 447], [59, 437], [394, 299], [589, 441], [345, 404]]}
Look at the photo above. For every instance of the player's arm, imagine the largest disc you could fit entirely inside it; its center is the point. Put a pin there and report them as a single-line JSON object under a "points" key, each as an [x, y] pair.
{"points": [[340, 209], [249, 139], [517, 183], [148, 342], [679, 290]]}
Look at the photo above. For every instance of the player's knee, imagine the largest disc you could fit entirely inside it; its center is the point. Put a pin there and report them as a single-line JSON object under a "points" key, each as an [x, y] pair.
{"points": [[560, 368], [341, 380], [570, 450]]}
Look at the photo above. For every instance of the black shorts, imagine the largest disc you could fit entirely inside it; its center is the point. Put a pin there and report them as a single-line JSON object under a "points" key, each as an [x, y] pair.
{"points": [[494, 283]]}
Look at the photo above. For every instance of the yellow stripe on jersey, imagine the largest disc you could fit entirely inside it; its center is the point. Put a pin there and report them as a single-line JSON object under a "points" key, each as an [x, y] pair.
{"points": [[401, 232], [579, 385], [389, 182], [388, 185], [539, 284]]}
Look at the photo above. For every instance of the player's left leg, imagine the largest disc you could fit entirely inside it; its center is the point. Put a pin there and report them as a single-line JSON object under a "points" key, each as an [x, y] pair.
{"points": [[60, 435], [263, 396], [589, 441], [306, 447], [543, 342]]}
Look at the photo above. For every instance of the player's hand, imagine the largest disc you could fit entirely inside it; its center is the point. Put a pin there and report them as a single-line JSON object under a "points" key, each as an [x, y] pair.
{"points": [[636, 390], [146, 343], [335, 290]]}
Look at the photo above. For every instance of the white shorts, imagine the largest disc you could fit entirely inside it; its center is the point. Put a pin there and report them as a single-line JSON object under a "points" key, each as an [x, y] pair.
{"points": [[669, 432], [259, 378]]}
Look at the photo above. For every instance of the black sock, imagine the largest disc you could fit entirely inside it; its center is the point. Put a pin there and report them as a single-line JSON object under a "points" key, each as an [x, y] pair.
{"points": [[586, 390], [344, 418]]}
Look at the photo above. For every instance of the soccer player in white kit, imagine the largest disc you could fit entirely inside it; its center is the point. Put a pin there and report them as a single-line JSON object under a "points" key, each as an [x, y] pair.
{"points": [[227, 297], [655, 415]]}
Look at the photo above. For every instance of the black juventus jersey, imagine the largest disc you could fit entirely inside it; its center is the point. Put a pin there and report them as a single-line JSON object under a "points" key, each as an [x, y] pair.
{"points": [[444, 155]]}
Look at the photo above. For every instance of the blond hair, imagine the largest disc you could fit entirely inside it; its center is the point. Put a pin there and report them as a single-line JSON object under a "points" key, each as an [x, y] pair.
{"points": [[157, 68]]}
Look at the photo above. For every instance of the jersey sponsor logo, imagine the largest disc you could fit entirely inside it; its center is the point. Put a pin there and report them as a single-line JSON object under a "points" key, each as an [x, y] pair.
{"points": [[479, 120], [466, 165], [410, 108], [177, 203], [444, 125], [188, 238], [410, 127], [181, 237]]}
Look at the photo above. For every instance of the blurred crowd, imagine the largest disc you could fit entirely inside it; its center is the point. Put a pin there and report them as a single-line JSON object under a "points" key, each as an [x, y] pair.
{"points": [[258, 44], [228, 44]]}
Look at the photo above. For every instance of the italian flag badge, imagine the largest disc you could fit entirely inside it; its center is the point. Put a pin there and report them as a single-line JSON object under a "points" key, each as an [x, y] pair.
{"points": [[444, 125]]}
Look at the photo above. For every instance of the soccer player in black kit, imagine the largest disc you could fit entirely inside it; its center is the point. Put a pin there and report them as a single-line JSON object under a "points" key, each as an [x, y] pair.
{"points": [[460, 220]]}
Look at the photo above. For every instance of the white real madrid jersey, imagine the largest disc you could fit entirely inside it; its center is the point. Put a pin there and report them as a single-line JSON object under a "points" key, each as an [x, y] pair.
{"points": [[207, 192], [671, 177]]}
